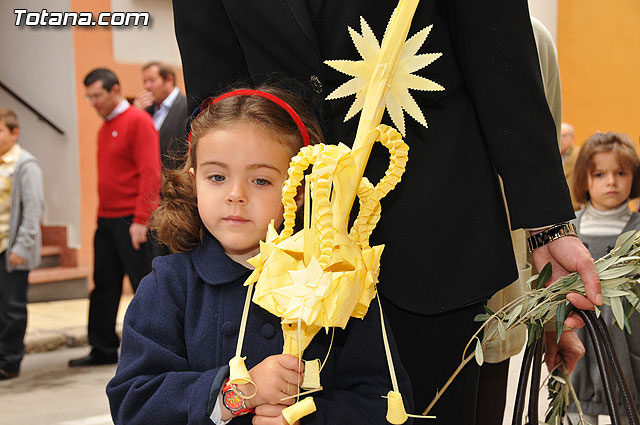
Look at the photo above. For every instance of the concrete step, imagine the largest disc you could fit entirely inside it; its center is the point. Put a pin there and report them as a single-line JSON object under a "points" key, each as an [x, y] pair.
{"points": [[50, 256], [54, 243], [57, 283]]}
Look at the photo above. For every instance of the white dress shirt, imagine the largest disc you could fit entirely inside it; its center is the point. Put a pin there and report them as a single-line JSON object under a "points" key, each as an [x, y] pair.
{"points": [[162, 110]]}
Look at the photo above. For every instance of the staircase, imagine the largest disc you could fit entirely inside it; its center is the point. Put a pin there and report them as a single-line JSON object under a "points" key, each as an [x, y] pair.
{"points": [[58, 277]]}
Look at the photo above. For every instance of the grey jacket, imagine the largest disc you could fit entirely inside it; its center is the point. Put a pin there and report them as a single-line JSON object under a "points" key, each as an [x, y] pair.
{"points": [[27, 206]]}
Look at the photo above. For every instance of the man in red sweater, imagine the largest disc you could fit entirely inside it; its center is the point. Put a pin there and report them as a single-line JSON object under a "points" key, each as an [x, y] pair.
{"points": [[128, 189]]}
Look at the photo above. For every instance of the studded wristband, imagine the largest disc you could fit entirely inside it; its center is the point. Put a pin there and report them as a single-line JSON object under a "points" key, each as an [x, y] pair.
{"points": [[550, 235]]}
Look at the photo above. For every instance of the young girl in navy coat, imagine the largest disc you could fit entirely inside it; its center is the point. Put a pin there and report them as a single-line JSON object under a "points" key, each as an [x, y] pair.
{"points": [[181, 328]]}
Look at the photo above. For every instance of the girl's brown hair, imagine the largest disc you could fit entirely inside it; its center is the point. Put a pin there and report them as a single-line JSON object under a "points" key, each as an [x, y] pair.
{"points": [[176, 222], [623, 148]]}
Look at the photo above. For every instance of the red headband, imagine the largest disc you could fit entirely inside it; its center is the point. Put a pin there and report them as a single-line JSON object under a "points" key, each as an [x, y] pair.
{"points": [[247, 92]]}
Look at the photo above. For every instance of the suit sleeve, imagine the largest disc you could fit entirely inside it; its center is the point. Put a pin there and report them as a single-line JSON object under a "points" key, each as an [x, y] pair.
{"points": [[153, 383], [212, 58], [496, 51]]}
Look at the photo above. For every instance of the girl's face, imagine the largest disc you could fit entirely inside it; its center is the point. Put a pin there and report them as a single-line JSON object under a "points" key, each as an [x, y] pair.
{"points": [[609, 183], [239, 176]]}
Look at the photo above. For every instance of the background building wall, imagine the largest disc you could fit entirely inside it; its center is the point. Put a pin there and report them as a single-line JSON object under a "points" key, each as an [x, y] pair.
{"points": [[140, 45], [38, 64], [599, 46]]}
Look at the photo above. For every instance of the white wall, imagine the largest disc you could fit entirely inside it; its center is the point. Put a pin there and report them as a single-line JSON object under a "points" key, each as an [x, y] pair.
{"points": [[38, 64], [547, 12], [144, 44]]}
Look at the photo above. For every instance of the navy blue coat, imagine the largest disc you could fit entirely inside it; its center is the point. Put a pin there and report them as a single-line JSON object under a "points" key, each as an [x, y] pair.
{"points": [[181, 329]]}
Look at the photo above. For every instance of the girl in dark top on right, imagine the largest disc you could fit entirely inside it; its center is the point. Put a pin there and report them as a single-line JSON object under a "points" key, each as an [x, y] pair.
{"points": [[606, 177]]}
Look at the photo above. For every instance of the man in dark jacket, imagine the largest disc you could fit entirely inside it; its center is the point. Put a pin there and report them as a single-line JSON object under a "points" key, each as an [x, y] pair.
{"points": [[445, 229], [168, 108]]}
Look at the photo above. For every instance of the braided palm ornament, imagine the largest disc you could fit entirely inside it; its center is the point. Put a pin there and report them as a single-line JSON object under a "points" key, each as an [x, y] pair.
{"points": [[325, 274]]}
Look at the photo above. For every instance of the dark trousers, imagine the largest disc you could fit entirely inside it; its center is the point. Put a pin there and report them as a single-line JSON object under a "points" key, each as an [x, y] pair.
{"points": [[114, 257], [492, 393], [431, 349], [13, 315]]}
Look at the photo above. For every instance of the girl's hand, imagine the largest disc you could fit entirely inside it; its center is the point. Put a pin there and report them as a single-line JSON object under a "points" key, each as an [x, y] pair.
{"points": [[275, 377], [270, 414]]}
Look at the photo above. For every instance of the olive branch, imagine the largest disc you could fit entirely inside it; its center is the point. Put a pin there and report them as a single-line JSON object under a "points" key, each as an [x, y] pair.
{"points": [[547, 304]]}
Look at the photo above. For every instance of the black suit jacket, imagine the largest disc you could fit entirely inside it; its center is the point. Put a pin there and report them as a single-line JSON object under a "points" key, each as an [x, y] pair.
{"points": [[173, 132], [444, 226]]}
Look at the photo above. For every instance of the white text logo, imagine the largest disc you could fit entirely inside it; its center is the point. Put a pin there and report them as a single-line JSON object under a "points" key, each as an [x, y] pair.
{"points": [[45, 18]]}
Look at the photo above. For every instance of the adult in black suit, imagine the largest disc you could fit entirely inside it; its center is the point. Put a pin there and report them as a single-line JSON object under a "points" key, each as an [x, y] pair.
{"points": [[168, 107], [445, 228]]}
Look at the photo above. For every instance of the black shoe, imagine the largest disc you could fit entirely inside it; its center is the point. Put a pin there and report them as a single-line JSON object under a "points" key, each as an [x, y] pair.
{"points": [[7, 375], [94, 359]]}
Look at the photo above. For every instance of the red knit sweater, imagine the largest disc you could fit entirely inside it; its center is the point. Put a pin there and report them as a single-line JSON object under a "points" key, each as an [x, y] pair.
{"points": [[128, 166]]}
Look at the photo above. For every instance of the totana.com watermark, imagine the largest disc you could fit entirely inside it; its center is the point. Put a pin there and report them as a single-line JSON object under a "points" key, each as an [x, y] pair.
{"points": [[44, 18]]}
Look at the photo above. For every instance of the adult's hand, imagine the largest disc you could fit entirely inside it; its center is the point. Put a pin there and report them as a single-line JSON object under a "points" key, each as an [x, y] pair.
{"points": [[143, 100], [138, 234], [569, 349], [568, 254]]}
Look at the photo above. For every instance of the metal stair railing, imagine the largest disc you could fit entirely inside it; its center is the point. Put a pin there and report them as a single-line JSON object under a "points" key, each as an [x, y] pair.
{"points": [[31, 108]]}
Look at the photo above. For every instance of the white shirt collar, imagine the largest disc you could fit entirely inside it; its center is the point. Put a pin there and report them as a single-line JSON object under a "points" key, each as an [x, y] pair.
{"points": [[120, 108], [168, 101]]}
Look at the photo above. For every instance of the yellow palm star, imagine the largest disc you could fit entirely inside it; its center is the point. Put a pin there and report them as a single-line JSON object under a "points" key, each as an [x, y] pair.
{"points": [[397, 98]]}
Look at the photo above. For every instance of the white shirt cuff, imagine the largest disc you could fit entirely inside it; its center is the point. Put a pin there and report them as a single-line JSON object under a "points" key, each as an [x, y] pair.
{"points": [[216, 415]]}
